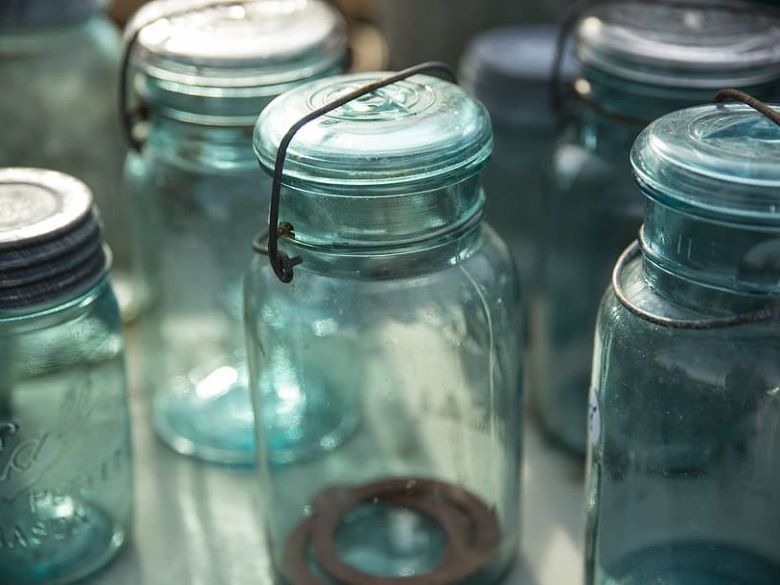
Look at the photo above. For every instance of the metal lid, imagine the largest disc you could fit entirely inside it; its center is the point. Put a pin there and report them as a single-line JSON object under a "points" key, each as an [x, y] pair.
{"points": [[715, 45], [213, 49], [51, 245], [32, 13], [423, 130], [717, 161]]}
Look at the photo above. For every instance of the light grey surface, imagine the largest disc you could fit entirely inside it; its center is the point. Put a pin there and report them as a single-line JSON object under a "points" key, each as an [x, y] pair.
{"points": [[199, 524]]}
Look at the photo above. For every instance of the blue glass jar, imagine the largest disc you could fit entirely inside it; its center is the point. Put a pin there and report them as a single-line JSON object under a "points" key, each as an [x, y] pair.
{"points": [[59, 64], [65, 466], [685, 463], [509, 70], [639, 61], [203, 76], [386, 376]]}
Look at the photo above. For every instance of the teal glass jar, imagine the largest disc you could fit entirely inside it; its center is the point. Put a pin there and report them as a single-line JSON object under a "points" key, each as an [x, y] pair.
{"points": [[59, 65], [65, 465], [639, 62], [508, 70], [685, 412], [386, 375], [203, 75]]}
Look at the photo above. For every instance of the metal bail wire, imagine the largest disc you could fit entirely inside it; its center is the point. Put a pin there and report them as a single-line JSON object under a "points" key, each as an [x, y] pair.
{"points": [[769, 313], [282, 264]]}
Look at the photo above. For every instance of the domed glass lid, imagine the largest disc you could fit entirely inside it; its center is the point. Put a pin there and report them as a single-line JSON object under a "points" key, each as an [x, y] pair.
{"points": [[238, 43], [421, 130], [719, 44], [721, 161]]}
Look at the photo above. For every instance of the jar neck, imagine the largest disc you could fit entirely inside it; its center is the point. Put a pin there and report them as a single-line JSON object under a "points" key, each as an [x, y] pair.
{"points": [[683, 250], [217, 148], [610, 112], [393, 262]]}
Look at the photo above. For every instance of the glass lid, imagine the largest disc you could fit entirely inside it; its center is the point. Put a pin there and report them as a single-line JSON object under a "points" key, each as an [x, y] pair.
{"points": [[697, 44], [421, 130], [721, 161], [234, 44]]}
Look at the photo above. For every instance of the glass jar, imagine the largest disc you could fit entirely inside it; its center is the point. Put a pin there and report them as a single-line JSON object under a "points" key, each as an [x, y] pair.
{"points": [[386, 376], [65, 466], [59, 62], [204, 75], [509, 70], [686, 408], [639, 61]]}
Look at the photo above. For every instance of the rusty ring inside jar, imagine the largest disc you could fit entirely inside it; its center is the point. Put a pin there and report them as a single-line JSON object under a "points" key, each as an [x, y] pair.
{"points": [[471, 528]]}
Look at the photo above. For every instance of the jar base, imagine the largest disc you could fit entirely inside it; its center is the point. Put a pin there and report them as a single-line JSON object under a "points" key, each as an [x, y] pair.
{"points": [[211, 418], [66, 542], [691, 564]]}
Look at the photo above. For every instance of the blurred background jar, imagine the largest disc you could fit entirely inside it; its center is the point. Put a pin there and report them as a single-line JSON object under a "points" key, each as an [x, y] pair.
{"points": [[398, 340], [639, 61], [203, 75], [65, 462], [59, 62], [686, 408], [424, 30], [508, 70]]}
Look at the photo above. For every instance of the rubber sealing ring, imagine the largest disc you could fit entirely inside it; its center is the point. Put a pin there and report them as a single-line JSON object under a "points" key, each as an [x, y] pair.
{"points": [[471, 528]]}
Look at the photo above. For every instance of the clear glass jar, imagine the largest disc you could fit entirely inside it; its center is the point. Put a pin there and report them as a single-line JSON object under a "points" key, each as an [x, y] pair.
{"points": [[204, 75], [509, 70], [386, 376], [686, 409], [639, 62], [65, 461], [59, 62]]}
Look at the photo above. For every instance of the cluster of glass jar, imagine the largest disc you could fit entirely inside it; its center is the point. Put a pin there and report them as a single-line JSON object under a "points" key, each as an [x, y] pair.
{"points": [[370, 359]]}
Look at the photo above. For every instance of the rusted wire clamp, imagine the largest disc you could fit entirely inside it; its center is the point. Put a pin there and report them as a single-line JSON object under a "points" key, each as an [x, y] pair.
{"points": [[281, 263]]}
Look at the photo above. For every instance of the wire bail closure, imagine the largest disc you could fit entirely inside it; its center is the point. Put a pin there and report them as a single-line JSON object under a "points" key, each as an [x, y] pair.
{"points": [[281, 263], [769, 313]]}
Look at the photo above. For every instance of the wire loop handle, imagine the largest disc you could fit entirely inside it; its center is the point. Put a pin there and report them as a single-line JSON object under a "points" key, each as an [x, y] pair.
{"points": [[747, 99], [282, 264]]}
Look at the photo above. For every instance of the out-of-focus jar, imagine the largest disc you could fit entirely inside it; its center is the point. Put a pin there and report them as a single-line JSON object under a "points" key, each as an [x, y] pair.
{"points": [[65, 464], [203, 74], [59, 66]]}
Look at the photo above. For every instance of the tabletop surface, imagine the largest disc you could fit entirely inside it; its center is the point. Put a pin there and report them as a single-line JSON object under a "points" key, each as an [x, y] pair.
{"points": [[199, 524]]}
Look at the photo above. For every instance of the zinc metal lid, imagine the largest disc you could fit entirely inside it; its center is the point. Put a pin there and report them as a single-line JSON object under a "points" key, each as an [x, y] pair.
{"points": [[719, 161], [237, 44], [696, 44], [421, 130], [50, 239], [31, 13]]}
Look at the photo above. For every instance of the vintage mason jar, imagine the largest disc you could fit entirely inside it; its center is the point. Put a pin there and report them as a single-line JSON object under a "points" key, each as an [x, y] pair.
{"points": [[65, 467], [639, 61], [386, 375], [509, 70], [59, 65], [204, 75], [685, 449]]}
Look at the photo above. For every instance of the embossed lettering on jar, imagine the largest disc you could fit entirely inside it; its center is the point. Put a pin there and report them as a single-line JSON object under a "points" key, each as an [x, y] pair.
{"points": [[65, 467], [205, 74], [640, 60], [386, 375], [685, 455]]}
